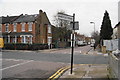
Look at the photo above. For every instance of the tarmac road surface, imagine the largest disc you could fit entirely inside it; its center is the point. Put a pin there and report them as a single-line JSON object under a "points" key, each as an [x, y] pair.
{"points": [[13, 68], [42, 64]]}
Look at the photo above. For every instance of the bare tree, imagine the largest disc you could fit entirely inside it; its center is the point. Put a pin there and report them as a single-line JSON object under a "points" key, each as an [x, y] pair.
{"points": [[59, 22], [60, 32], [96, 36], [56, 21]]}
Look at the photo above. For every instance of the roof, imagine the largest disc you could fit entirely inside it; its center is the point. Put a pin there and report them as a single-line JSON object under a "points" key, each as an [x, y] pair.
{"points": [[26, 18], [8, 19], [117, 25]]}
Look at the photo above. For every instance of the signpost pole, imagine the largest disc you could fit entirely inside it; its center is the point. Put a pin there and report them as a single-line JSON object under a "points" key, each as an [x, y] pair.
{"points": [[73, 31]]}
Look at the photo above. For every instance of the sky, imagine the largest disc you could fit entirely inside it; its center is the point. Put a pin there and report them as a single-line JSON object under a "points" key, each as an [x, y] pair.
{"points": [[86, 11]]}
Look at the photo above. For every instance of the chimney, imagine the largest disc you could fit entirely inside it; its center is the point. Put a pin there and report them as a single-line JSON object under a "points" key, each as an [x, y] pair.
{"points": [[40, 11]]}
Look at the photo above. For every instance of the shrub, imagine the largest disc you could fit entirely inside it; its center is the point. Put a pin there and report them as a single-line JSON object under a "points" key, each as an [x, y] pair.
{"points": [[22, 46]]}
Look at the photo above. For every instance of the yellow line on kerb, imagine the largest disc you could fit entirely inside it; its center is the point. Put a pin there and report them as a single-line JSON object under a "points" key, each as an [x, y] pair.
{"points": [[56, 73], [60, 71]]}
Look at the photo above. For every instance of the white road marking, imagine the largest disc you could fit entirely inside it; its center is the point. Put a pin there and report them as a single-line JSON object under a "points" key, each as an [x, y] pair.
{"points": [[15, 59], [16, 65]]}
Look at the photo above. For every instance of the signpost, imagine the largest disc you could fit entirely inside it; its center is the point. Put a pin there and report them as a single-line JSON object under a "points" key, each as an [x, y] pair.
{"points": [[73, 26], [66, 17], [76, 25], [73, 31]]}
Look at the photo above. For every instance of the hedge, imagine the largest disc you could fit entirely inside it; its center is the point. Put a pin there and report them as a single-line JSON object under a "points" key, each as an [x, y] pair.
{"points": [[21, 46]]}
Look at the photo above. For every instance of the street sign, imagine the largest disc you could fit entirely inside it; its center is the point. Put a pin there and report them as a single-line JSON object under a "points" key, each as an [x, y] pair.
{"points": [[74, 40], [66, 17], [76, 27]]}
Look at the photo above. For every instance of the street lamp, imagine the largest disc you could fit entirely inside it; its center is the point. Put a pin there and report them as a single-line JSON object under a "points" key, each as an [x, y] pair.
{"points": [[94, 31], [94, 26]]}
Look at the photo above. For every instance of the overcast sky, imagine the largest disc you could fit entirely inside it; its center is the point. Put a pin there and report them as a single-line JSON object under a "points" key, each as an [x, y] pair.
{"points": [[85, 10]]}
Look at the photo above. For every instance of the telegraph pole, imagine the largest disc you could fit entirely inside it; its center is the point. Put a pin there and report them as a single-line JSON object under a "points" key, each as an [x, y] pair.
{"points": [[72, 51]]}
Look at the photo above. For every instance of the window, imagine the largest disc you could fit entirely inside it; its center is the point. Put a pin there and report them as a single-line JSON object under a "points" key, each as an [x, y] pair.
{"points": [[30, 26], [22, 39], [49, 40], [30, 39], [0, 27], [49, 28], [15, 27], [23, 26], [14, 39], [26, 39], [6, 27]]}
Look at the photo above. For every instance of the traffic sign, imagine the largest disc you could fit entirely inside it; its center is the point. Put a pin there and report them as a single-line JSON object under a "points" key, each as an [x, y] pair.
{"points": [[76, 27], [66, 17]]}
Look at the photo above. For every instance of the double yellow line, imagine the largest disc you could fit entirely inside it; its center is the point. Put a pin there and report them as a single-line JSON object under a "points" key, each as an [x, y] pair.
{"points": [[58, 73]]}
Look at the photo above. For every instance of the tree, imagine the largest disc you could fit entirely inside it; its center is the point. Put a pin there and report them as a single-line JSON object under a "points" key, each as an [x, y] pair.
{"points": [[96, 36], [60, 30], [60, 22], [60, 34], [106, 28]]}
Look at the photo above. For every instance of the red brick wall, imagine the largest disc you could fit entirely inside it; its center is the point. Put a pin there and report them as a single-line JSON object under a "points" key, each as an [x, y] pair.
{"points": [[3, 27], [10, 27], [26, 27], [33, 32], [19, 27]]}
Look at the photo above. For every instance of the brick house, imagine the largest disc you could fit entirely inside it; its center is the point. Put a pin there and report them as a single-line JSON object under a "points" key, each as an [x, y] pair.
{"points": [[26, 29], [116, 31]]}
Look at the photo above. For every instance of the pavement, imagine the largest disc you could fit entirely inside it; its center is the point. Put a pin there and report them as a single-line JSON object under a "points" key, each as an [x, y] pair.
{"points": [[84, 71], [87, 71]]}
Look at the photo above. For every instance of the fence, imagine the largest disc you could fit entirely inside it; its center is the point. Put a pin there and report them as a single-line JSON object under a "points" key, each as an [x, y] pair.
{"points": [[114, 67], [111, 45]]}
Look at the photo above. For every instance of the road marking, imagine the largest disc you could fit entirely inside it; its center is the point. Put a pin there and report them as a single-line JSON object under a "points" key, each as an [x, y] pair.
{"points": [[61, 71], [58, 73], [15, 59], [16, 65]]}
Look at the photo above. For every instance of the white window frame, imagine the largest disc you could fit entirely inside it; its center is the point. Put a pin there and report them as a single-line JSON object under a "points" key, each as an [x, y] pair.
{"points": [[23, 26], [22, 39], [30, 37], [14, 39], [49, 28], [6, 27], [49, 40], [26, 38], [14, 27], [30, 26]]}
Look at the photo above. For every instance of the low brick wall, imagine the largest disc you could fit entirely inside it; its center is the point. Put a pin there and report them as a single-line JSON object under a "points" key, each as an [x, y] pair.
{"points": [[114, 67]]}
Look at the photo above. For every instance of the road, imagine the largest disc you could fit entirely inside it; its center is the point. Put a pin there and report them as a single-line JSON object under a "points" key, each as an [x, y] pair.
{"points": [[42, 64]]}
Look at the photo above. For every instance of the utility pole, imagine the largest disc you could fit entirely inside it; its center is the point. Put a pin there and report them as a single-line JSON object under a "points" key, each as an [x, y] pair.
{"points": [[94, 26], [73, 31]]}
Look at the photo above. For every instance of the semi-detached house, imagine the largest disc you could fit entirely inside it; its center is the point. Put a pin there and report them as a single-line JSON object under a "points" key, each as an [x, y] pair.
{"points": [[27, 29]]}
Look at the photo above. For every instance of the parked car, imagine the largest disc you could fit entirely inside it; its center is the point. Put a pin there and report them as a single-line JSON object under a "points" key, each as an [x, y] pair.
{"points": [[81, 43], [92, 44]]}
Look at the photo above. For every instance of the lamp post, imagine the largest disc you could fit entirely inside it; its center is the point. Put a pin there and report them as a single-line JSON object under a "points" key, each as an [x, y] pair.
{"points": [[94, 26], [94, 32]]}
